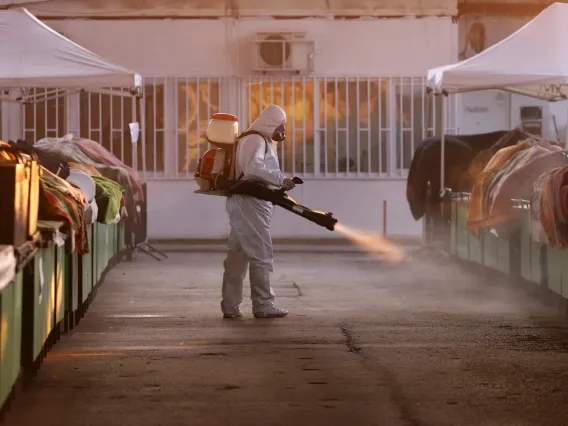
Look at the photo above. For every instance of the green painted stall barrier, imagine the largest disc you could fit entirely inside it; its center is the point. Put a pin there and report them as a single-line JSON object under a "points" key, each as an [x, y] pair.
{"points": [[476, 248], [564, 264], [554, 265], [122, 236], [61, 264], [531, 268], [72, 283], [557, 270], [462, 239], [40, 296], [496, 253], [467, 246], [490, 257], [11, 330], [100, 250], [454, 229], [86, 261], [105, 246]]}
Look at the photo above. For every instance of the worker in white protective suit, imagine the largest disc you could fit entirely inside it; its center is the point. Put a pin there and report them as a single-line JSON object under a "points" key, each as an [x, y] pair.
{"points": [[250, 242]]}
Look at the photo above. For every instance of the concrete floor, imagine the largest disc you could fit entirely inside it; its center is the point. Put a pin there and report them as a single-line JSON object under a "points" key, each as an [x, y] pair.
{"points": [[419, 343]]}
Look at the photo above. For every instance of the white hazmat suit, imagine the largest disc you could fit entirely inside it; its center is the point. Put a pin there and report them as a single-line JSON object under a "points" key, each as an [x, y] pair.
{"points": [[250, 242]]}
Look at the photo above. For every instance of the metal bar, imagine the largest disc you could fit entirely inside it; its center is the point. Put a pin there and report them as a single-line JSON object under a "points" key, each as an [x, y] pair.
{"points": [[154, 131], [249, 95], [316, 126], [177, 126], [100, 119], [115, 92], [57, 117], [111, 136], [336, 128], [45, 115], [293, 128], [401, 120], [423, 104], [23, 109], [283, 92], [41, 96], [443, 144], [358, 98], [304, 104], [411, 119], [123, 128], [346, 130], [198, 114], [434, 118], [208, 102], [187, 135], [370, 127], [35, 131], [380, 112], [325, 126], [142, 138], [134, 146], [89, 118]]}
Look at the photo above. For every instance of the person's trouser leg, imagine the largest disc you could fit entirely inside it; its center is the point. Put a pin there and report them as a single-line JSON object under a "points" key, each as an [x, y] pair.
{"points": [[261, 292], [235, 265], [250, 219]]}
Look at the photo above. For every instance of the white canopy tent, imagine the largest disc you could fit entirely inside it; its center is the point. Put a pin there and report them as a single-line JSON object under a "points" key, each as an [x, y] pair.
{"points": [[531, 62], [34, 55]]}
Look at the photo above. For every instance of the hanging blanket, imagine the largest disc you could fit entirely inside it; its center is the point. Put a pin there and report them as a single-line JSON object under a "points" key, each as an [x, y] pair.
{"points": [[59, 200], [481, 160], [100, 154], [539, 188], [518, 179], [549, 205], [108, 197], [478, 207], [515, 179], [69, 151]]}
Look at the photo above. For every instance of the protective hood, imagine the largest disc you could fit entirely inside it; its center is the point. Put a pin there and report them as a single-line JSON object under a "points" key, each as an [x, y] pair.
{"points": [[269, 120]]}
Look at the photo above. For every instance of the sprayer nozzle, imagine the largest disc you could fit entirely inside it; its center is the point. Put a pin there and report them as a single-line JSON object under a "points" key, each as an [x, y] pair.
{"points": [[331, 225], [325, 220]]}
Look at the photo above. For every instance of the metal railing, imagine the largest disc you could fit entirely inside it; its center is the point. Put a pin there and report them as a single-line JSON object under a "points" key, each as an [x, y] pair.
{"points": [[44, 118], [364, 127]]}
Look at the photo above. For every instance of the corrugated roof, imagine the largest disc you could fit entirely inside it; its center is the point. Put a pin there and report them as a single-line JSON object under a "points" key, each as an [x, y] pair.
{"points": [[215, 8]]}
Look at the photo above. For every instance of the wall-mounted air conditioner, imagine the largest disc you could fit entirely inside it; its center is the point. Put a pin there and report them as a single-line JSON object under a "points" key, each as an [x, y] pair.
{"points": [[283, 52], [531, 120]]}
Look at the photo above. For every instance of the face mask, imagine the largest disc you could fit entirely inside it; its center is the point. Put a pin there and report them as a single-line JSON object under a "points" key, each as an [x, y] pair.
{"points": [[279, 134]]}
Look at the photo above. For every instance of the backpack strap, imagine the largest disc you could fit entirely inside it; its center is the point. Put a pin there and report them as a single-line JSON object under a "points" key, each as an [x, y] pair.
{"points": [[253, 132]]}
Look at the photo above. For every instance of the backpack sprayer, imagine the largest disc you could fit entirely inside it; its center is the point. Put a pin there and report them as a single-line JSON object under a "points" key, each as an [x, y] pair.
{"points": [[216, 173]]}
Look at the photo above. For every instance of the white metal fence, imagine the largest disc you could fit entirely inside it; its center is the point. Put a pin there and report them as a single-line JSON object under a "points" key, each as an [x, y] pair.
{"points": [[337, 127]]}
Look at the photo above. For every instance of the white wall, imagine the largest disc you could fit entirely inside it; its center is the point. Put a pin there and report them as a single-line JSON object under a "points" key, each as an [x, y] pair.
{"points": [[405, 47], [181, 214], [220, 47]]}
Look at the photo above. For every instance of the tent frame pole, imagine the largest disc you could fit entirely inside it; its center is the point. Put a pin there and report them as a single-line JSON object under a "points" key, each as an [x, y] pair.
{"points": [[443, 143]]}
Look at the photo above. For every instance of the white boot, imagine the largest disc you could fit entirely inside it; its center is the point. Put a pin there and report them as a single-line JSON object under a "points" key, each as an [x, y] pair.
{"points": [[270, 311], [238, 314]]}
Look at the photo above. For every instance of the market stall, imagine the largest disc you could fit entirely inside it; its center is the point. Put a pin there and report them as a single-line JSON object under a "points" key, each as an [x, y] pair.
{"points": [[63, 221], [510, 228]]}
